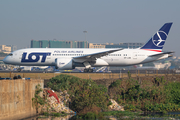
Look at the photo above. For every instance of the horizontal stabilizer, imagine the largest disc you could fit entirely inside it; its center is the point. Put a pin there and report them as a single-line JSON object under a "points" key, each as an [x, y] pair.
{"points": [[160, 54]]}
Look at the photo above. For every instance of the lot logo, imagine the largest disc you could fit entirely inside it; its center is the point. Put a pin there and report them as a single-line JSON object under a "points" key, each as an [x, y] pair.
{"points": [[34, 57], [159, 38]]}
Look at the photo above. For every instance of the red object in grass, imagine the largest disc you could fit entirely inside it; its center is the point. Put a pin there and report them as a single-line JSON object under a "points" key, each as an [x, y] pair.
{"points": [[51, 93]]}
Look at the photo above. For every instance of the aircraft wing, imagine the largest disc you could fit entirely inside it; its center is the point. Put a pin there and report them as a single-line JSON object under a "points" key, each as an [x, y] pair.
{"points": [[160, 54], [94, 56]]}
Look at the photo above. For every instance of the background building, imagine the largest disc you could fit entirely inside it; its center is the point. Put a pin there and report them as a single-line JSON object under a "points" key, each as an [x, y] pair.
{"points": [[124, 45], [96, 45], [80, 44], [7, 48], [13, 47], [112, 45], [58, 44]]}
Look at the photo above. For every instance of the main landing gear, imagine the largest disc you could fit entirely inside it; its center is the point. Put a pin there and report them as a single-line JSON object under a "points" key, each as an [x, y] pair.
{"points": [[88, 70], [87, 67]]}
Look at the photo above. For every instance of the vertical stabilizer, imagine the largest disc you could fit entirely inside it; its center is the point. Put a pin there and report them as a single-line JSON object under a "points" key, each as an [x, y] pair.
{"points": [[157, 41]]}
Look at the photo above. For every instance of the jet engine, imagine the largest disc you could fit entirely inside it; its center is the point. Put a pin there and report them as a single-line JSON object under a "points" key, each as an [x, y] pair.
{"points": [[64, 63]]}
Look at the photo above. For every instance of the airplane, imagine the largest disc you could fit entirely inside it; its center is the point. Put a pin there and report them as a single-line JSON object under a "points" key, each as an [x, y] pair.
{"points": [[69, 58]]}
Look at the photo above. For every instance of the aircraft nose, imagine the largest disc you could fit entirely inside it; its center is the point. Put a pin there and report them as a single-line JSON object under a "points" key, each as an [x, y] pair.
{"points": [[6, 60]]}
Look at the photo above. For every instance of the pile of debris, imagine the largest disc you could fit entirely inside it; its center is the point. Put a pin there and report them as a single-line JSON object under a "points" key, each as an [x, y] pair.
{"points": [[115, 106], [56, 101]]}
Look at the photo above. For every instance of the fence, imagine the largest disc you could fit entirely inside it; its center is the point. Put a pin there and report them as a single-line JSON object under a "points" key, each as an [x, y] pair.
{"points": [[93, 76]]}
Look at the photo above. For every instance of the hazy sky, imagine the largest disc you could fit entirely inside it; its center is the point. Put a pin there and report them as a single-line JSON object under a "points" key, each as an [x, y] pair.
{"points": [[112, 21]]}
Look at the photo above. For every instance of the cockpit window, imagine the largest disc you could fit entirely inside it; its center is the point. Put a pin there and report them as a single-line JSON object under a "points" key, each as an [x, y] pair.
{"points": [[10, 54]]}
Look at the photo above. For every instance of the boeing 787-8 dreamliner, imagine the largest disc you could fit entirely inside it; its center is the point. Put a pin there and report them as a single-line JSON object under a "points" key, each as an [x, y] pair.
{"points": [[69, 58]]}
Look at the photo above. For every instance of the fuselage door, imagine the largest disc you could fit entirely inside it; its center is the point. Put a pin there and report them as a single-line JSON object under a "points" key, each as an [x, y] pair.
{"points": [[20, 54], [48, 58], [134, 55]]}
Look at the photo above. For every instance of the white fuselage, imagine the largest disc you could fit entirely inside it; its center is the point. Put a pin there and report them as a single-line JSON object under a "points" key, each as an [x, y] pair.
{"points": [[123, 57], [69, 58]]}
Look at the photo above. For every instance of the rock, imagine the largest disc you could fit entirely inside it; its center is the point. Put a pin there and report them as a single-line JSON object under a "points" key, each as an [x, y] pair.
{"points": [[56, 101], [115, 106]]}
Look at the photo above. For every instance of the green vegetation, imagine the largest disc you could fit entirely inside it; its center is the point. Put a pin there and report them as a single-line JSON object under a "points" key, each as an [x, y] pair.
{"points": [[88, 98], [55, 114], [173, 92], [153, 96], [120, 114], [37, 101], [105, 115], [83, 93], [89, 116]]}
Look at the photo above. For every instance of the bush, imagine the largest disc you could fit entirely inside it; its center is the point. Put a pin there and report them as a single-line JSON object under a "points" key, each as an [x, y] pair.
{"points": [[116, 83], [154, 96], [173, 92], [83, 93]]}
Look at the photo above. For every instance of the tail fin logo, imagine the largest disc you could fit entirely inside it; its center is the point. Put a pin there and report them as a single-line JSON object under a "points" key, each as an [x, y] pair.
{"points": [[159, 38]]}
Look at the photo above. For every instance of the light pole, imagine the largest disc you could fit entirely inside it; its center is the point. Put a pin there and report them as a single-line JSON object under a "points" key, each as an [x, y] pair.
{"points": [[85, 34]]}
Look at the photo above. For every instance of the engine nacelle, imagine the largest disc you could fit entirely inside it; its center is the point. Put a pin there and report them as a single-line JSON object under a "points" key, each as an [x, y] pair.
{"points": [[64, 63]]}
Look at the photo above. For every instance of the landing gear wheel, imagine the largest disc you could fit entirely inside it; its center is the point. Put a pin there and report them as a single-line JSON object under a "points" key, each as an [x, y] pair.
{"points": [[19, 69], [86, 70], [90, 70]]}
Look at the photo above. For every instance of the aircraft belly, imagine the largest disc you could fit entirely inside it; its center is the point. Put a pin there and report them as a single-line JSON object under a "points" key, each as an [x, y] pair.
{"points": [[36, 64], [101, 62], [123, 61], [113, 62], [117, 61]]}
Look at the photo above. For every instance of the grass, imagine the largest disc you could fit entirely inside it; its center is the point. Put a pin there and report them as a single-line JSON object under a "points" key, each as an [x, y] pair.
{"points": [[106, 115], [93, 76], [54, 114], [120, 113]]}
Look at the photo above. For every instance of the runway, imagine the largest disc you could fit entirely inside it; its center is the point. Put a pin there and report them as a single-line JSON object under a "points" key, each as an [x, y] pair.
{"points": [[93, 76], [112, 71]]}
